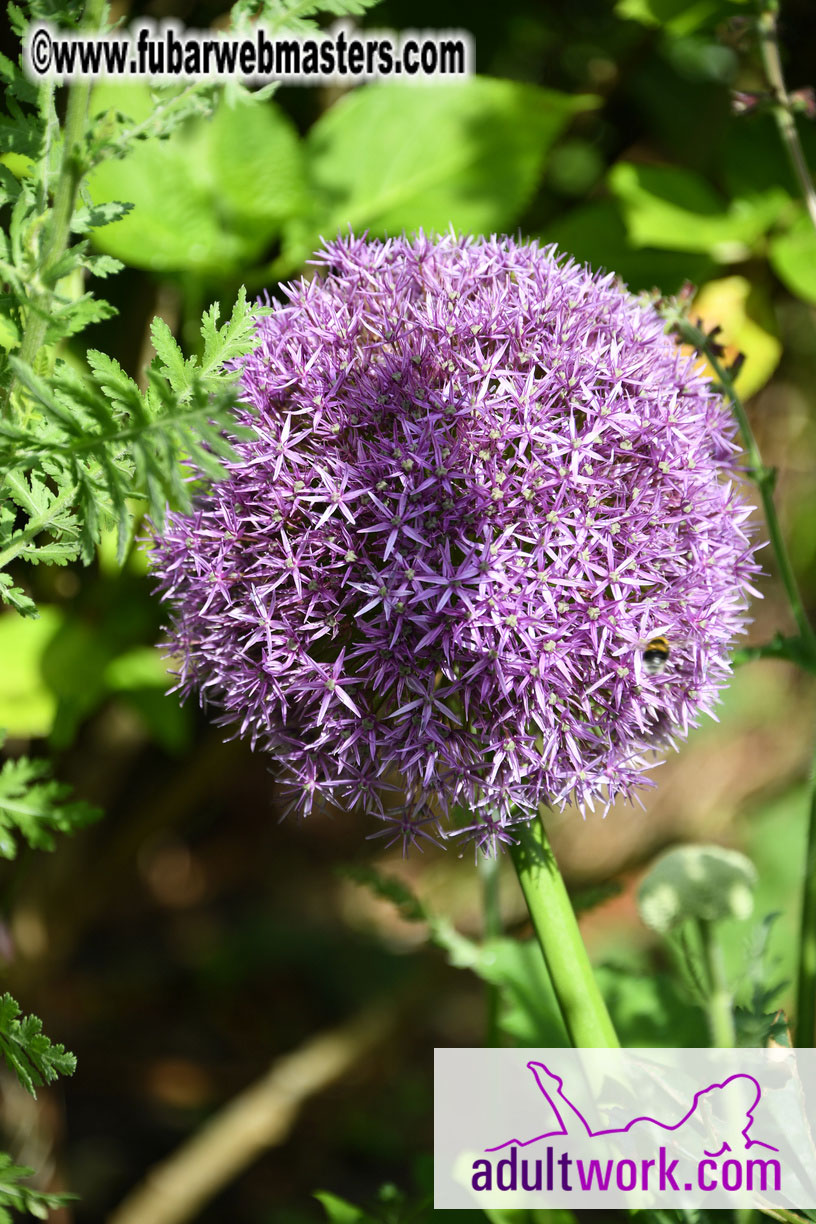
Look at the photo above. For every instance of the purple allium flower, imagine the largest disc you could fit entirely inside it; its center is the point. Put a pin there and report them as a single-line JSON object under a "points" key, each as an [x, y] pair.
{"points": [[482, 480]]}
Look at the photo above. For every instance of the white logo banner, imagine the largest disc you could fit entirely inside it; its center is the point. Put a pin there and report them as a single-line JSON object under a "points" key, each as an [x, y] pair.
{"points": [[625, 1128]]}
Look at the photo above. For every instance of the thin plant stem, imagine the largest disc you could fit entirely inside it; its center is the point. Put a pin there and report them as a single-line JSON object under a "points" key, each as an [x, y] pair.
{"points": [[582, 1006], [720, 1003], [489, 872], [59, 223], [762, 476], [782, 109], [805, 1026]]}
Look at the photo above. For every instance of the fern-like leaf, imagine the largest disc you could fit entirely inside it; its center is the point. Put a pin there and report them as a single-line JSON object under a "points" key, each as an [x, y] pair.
{"points": [[34, 806], [14, 1196], [33, 1058]]}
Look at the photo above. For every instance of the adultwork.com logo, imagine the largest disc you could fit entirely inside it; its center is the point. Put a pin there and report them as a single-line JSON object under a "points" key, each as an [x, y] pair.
{"points": [[625, 1128], [723, 1112]]}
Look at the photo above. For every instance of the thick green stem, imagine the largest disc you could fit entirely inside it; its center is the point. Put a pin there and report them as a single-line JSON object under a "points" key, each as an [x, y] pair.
{"points": [[582, 1007], [59, 223], [805, 1027], [489, 871], [782, 109], [720, 1004]]}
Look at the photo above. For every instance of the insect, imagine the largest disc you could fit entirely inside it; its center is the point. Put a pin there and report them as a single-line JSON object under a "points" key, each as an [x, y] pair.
{"points": [[655, 656]]}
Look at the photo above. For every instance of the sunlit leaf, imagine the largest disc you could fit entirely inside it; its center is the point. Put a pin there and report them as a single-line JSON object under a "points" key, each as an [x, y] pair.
{"points": [[389, 158], [208, 198], [746, 319], [793, 258], [676, 209]]}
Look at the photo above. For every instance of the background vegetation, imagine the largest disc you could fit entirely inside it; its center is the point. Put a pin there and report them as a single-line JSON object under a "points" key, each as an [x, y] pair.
{"points": [[187, 939]]}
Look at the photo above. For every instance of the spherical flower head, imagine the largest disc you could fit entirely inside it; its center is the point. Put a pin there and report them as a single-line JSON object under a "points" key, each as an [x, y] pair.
{"points": [[484, 549]]}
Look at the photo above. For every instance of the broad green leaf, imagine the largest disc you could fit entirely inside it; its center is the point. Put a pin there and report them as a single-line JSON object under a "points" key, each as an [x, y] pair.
{"points": [[596, 234], [746, 319], [389, 157], [142, 667], [27, 705], [529, 1012], [645, 1006], [691, 883], [210, 197], [677, 17], [257, 164], [793, 258], [674, 208]]}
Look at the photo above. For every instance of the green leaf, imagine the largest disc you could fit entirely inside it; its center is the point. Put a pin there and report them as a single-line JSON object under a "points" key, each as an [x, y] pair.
{"points": [[704, 883], [18, 1197], [339, 1211], [596, 234], [9, 332], [390, 158], [210, 197], [529, 1013], [294, 16], [33, 805], [27, 1050], [85, 219], [793, 258], [27, 706], [645, 1006], [51, 533], [677, 17], [97, 442], [676, 209], [16, 597], [257, 164], [757, 1015]]}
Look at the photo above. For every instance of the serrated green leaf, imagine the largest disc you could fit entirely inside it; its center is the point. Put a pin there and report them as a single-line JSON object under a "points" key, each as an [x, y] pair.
{"points": [[51, 534], [34, 806], [19, 1197], [101, 441], [27, 1051], [16, 597], [86, 219], [171, 361]]}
